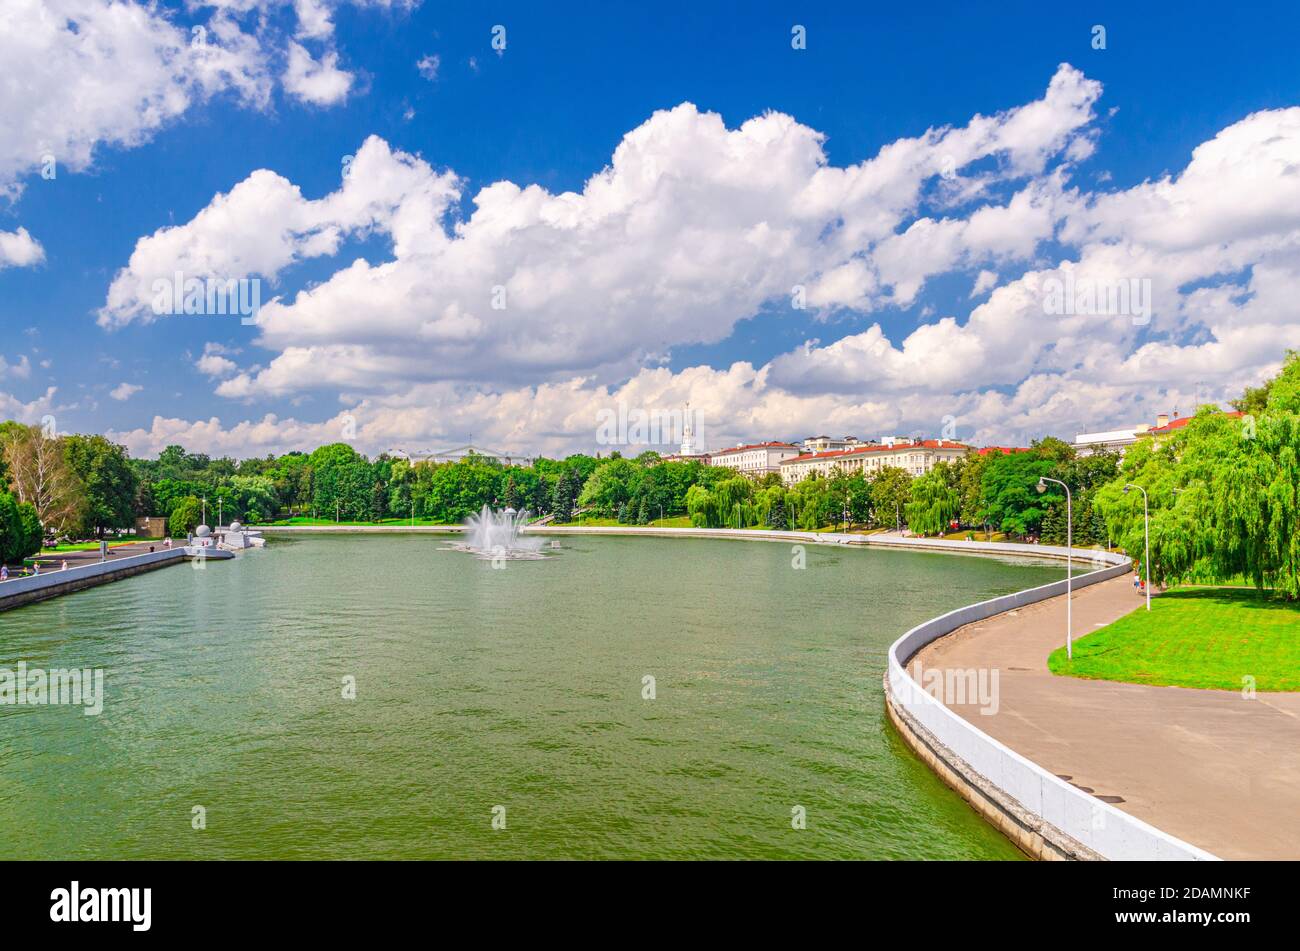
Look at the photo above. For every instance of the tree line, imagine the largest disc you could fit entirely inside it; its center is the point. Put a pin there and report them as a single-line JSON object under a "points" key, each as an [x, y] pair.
{"points": [[1224, 491], [85, 486]]}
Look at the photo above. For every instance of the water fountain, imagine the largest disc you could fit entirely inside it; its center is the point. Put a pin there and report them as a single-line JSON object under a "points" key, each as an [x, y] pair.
{"points": [[492, 534]]}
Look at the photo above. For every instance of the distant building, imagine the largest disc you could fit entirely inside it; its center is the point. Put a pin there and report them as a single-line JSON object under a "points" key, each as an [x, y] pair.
{"points": [[688, 452], [152, 526], [1002, 450], [914, 458], [687, 449], [755, 460], [827, 444], [462, 452], [1118, 440], [1165, 426], [1115, 440]]}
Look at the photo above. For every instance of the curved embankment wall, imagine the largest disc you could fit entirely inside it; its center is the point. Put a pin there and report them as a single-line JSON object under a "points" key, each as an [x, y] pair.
{"points": [[1044, 815], [19, 591]]}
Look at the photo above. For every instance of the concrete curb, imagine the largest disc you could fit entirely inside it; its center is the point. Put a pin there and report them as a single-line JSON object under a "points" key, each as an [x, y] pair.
{"points": [[17, 592]]}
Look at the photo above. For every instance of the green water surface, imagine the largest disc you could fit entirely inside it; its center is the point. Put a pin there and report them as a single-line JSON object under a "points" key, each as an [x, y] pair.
{"points": [[477, 688]]}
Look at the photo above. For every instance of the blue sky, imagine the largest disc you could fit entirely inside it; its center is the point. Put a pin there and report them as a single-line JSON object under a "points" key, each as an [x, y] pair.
{"points": [[549, 110]]}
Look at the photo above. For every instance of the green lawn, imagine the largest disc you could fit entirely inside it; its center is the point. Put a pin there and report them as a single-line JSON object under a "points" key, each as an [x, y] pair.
{"points": [[1195, 637], [92, 546]]}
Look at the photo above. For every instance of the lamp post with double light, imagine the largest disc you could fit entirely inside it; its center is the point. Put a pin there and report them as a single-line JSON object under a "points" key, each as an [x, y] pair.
{"points": [[1069, 562], [1146, 537]]}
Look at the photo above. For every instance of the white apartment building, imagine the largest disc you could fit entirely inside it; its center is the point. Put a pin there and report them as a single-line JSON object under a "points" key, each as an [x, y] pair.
{"points": [[1086, 444], [756, 460], [914, 458], [827, 444]]}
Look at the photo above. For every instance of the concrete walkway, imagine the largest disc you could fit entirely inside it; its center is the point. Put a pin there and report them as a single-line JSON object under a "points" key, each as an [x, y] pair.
{"points": [[1209, 766]]}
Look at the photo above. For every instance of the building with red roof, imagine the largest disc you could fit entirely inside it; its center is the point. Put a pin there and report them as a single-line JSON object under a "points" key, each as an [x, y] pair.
{"points": [[915, 457], [1165, 426]]}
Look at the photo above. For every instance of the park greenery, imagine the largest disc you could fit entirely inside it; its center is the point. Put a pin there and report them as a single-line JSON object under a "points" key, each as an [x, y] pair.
{"points": [[1210, 638], [1224, 492]]}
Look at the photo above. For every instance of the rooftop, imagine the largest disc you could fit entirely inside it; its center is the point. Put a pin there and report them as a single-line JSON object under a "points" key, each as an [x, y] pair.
{"points": [[1180, 422], [757, 445], [867, 450]]}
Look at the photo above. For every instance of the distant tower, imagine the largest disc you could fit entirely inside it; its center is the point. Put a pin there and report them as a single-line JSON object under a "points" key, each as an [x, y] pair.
{"points": [[688, 434]]}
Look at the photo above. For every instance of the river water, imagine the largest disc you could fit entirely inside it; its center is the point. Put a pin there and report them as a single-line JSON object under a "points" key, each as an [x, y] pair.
{"points": [[518, 695]]}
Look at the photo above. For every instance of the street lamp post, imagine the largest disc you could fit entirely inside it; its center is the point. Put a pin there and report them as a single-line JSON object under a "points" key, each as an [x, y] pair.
{"points": [[1069, 562], [1146, 537]]}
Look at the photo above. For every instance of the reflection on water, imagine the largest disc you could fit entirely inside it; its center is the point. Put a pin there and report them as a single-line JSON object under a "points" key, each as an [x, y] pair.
{"points": [[477, 687]]}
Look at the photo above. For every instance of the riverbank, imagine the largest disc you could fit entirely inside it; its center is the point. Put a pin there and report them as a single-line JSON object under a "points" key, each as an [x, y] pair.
{"points": [[30, 589], [1212, 767]]}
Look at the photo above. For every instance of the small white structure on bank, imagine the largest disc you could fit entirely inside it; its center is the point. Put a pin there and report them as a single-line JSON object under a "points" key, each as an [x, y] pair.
{"points": [[236, 537], [201, 544]]}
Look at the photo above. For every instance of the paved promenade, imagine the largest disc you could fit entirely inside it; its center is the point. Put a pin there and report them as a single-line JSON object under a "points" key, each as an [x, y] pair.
{"points": [[1208, 766]]}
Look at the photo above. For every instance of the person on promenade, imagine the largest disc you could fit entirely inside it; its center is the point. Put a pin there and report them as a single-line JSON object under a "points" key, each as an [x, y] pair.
{"points": [[4, 572], [65, 565]]}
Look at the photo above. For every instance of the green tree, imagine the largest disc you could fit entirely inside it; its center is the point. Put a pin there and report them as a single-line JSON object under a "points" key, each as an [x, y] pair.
{"points": [[610, 486], [1224, 495], [970, 488], [38, 472], [1010, 495], [185, 517], [701, 507], [891, 490], [341, 482], [934, 504], [565, 497], [776, 517], [109, 480], [20, 529]]}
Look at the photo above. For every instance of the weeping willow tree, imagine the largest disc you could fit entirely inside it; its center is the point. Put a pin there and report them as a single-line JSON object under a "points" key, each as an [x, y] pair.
{"points": [[701, 507], [934, 503], [729, 504], [1224, 495]]}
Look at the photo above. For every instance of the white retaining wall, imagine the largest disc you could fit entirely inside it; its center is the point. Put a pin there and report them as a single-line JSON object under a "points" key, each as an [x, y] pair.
{"points": [[1100, 826], [16, 590]]}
